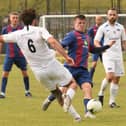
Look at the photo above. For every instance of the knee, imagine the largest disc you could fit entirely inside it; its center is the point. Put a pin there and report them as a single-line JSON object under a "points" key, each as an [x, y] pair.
{"points": [[73, 84], [5, 74], [24, 73], [110, 77]]}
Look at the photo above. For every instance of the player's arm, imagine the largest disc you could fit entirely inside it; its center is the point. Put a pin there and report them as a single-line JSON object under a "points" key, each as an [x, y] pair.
{"points": [[57, 46], [8, 38], [97, 43], [123, 38], [99, 36], [102, 48], [1, 39], [1, 45], [124, 45], [5, 38]]}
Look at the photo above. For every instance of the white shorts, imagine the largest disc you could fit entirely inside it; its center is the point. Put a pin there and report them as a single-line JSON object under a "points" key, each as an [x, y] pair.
{"points": [[115, 66], [55, 74]]}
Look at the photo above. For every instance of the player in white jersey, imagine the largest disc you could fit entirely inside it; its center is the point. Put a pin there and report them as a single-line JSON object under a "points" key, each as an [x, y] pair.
{"points": [[50, 72], [112, 58]]}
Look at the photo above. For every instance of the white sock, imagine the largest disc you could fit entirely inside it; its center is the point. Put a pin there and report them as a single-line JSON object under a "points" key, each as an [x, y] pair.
{"points": [[103, 87], [70, 92], [113, 92], [73, 112], [27, 91]]}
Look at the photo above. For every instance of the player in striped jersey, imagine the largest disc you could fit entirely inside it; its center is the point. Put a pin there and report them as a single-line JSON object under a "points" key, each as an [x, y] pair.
{"points": [[14, 56], [92, 32], [78, 45]]}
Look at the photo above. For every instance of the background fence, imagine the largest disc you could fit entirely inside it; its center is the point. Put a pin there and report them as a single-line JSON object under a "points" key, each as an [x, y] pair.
{"points": [[59, 25], [48, 7]]}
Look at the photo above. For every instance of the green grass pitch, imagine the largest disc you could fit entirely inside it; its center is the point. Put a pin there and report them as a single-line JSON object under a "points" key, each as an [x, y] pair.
{"points": [[17, 110]]}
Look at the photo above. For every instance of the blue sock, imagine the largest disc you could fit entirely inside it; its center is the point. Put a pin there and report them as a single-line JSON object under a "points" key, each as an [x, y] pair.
{"points": [[26, 83], [91, 73], [51, 97], [85, 101], [4, 84]]}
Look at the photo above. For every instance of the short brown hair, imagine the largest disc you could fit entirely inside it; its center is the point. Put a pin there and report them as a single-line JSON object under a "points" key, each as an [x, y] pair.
{"points": [[13, 13], [82, 17], [113, 9]]}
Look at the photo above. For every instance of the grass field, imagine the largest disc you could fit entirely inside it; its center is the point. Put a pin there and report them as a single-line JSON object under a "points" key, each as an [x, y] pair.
{"points": [[17, 110]]}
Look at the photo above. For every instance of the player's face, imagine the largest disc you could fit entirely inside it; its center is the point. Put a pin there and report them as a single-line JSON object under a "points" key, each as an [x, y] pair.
{"points": [[98, 20], [14, 19], [79, 25], [112, 16]]}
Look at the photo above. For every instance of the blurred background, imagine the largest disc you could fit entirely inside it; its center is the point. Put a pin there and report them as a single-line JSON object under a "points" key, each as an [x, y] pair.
{"points": [[59, 26], [62, 6]]}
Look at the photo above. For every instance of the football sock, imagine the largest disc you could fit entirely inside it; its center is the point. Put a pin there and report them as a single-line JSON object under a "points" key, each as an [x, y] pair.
{"points": [[85, 101], [73, 112], [91, 73], [103, 87], [4, 84], [58, 94], [113, 92], [51, 97], [70, 92], [26, 83]]}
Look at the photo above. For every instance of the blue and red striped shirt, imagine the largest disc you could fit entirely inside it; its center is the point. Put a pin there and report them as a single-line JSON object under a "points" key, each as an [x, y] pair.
{"points": [[12, 49], [78, 46], [92, 32]]}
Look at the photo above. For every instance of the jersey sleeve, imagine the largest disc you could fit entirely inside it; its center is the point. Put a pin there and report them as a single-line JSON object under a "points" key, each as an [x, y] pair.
{"points": [[99, 34], [90, 32], [45, 34], [4, 30], [91, 35], [11, 37], [68, 39], [123, 34]]}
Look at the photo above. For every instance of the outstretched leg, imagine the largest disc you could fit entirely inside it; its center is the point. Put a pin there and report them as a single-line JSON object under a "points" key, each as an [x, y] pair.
{"points": [[102, 89], [58, 95]]}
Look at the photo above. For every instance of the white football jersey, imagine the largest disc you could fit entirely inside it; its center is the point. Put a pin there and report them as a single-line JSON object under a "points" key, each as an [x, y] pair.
{"points": [[109, 32], [33, 44]]}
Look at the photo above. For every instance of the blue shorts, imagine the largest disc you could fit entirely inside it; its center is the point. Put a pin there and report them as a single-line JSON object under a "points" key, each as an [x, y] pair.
{"points": [[20, 62], [80, 74], [95, 57]]}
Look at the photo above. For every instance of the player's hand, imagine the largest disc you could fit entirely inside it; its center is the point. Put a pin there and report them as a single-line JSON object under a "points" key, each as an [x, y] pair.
{"points": [[111, 42], [70, 61]]}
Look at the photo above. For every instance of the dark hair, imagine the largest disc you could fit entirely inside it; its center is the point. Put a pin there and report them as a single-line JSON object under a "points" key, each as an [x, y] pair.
{"points": [[27, 16], [82, 17], [113, 9]]}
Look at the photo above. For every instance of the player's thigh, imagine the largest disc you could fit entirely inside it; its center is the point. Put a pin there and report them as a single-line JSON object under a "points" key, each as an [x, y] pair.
{"points": [[55, 74], [109, 66], [8, 62], [119, 68], [95, 57], [62, 74], [21, 63]]}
